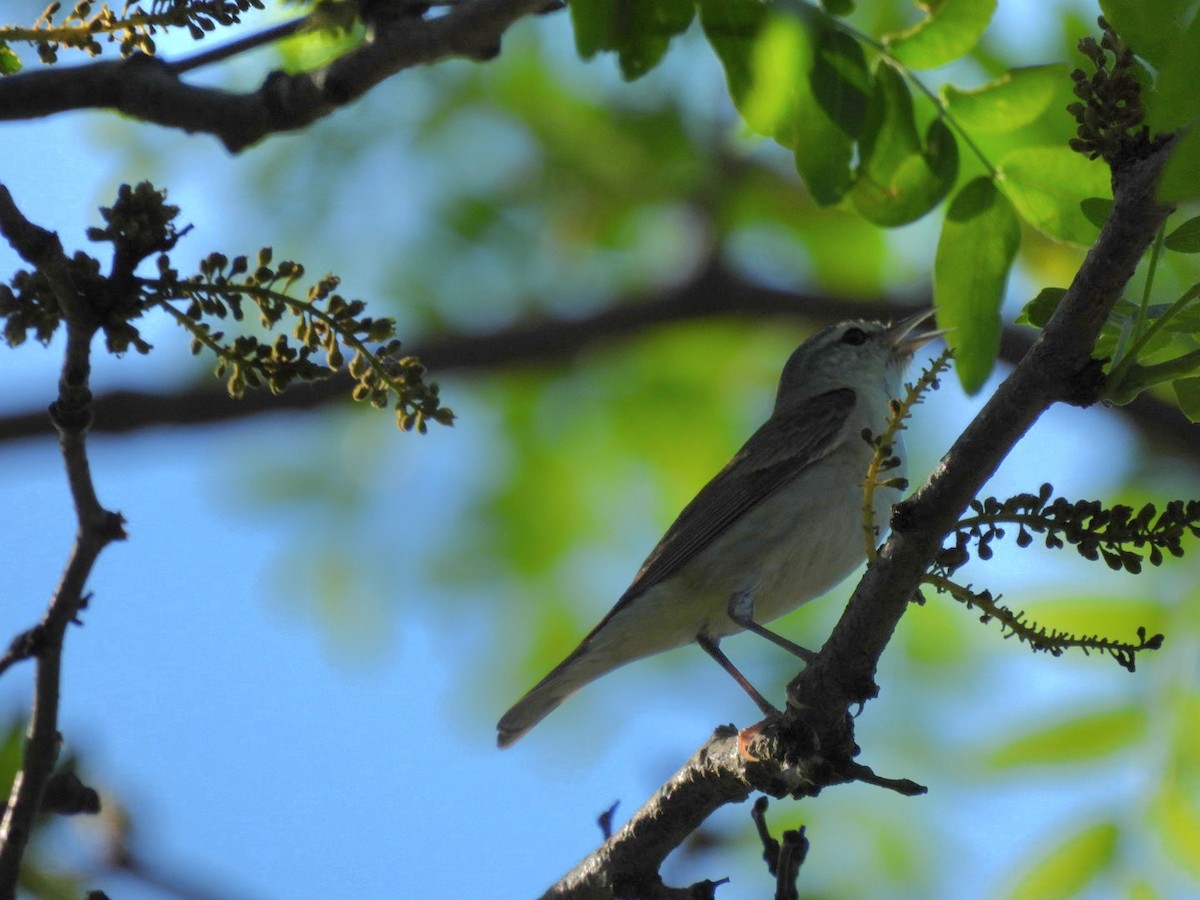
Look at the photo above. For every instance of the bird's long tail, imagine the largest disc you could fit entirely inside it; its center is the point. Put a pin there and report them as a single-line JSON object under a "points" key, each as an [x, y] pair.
{"points": [[544, 697]]}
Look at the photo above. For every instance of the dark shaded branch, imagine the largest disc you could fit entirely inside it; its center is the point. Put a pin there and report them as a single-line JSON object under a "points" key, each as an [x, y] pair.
{"points": [[817, 730], [713, 292], [71, 414], [150, 89]]}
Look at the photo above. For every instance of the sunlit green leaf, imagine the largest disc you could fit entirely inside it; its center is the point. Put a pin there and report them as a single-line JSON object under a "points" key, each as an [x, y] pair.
{"points": [[1150, 27], [766, 57], [1067, 741], [949, 30], [979, 241], [1185, 238], [733, 30], [1187, 392], [638, 30], [898, 179], [781, 59], [1070, 865], [1013, 100], [797, 80], [1047, 184]]}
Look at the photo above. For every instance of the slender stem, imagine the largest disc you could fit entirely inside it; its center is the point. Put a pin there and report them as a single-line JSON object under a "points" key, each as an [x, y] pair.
{"points": [[884, 443], [1117, 373], [71, 414], [1155, 252], [883, 51], [233, 48], [1180, 366], [55, 34], [298, 308]]}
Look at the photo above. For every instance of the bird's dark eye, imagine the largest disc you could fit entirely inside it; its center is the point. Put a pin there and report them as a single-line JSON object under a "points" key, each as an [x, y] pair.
{"points": [[854, 337]]}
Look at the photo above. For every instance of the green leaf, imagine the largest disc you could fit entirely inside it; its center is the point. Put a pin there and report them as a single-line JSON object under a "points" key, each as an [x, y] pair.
{"points": [[949, 30], [1037, 312], [638, 30], [781, 59], [1181, 176], [838, 7], [1187, 392], [1185, 238], [1175, 102], [1047, 185], [1150, 27], [765, 56], [733, 30], [898, 179], [797, 80], [1068, 867], [1072, 741], [831, 108], [841, 82], [10, 63], [1096, 210], [1013, 100], [979, 241]]}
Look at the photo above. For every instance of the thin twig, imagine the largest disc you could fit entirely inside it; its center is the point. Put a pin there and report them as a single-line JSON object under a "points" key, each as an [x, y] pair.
{"points": [[241, 45], [71, 414]]}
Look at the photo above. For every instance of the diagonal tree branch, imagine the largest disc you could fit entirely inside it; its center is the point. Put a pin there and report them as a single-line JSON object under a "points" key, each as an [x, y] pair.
{"points": [[815, 735], [151, 89]]}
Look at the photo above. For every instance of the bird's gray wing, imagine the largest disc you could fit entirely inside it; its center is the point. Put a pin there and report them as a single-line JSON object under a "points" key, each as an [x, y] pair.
{"points": [[775, 454]]}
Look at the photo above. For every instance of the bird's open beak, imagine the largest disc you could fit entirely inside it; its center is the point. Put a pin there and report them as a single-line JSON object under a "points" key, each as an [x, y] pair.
{"points": [[905, 340]]}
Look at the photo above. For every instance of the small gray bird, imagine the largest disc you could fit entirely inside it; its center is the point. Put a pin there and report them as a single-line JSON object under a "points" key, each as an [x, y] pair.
{"points": [[779, 525]]}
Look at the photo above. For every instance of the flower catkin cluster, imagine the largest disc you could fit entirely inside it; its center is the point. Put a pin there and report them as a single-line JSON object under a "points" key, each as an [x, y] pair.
{"points": [[1109, 112]]}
